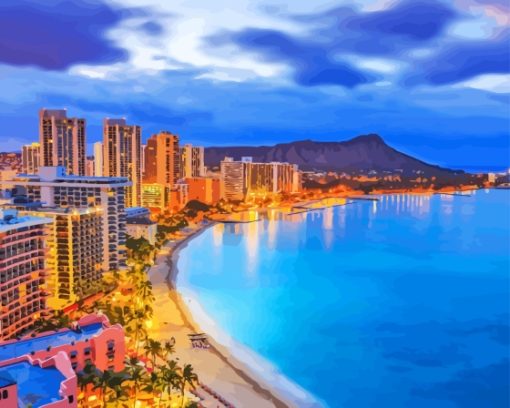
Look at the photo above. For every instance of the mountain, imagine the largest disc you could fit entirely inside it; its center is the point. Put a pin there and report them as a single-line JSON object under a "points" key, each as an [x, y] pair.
{"points": [[362, 153]]}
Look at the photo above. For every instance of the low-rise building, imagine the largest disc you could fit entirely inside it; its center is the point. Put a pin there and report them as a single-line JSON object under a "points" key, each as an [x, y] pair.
{"points": [[204, 189], [42, 370]]}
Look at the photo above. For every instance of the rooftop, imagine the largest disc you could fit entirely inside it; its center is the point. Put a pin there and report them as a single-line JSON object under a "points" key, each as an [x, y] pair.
{"points": [[37, 386], [25, 346]]}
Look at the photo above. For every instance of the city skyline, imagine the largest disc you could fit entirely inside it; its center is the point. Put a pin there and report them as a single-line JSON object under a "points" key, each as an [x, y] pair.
{"points": [[281, 73]]}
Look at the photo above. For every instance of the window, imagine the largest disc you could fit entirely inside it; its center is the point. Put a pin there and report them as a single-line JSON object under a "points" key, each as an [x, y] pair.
{"points": [[86, 351], [70, 398], [5, 394]]}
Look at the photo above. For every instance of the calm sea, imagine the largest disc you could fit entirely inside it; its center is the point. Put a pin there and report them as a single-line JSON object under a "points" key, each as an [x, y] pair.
{"points": [[402, 302]]}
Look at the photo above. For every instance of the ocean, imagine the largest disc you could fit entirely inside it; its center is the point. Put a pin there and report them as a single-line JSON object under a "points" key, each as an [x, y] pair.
{"points": [[401, 302]]}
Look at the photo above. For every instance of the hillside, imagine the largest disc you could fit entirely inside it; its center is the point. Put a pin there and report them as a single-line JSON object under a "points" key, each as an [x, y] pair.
{"points": [[362, 153]]}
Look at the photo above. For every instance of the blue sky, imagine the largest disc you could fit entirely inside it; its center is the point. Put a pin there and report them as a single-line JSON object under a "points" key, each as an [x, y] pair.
{"points": [[431, 77]]}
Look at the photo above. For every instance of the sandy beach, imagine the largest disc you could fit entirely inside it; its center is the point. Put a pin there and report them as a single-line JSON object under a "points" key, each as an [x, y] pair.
{"points": [[216, 367]]}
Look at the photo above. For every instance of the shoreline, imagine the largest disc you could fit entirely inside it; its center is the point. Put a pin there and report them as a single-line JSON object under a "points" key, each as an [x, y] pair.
{"points": [[247, 375]]}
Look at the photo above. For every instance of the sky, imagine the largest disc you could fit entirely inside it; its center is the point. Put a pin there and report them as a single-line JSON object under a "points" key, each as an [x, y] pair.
{"points": [[431, 77]]}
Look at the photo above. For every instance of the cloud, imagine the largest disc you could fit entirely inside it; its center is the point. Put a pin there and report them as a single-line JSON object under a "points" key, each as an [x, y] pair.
{"points": [[462, 60], [311, 63], [54, 35]]}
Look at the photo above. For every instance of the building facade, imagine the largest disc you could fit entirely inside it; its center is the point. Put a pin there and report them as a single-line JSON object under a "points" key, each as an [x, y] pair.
{"points": [[75, 256], [247, 179], [163, 164], [42, 370], [192, 161], [62, 141], [53, 188], [98, 159], [30, 158], [22, 271], [204, 189], [122, 147]]}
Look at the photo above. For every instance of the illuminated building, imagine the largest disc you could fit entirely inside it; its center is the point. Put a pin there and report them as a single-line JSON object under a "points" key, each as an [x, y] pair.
{"points": [[62, 141], [204, 189], [30, 158], [192, 158], [75, 255], [53, 188], [233, 184], [22, 271], [163, 164], [98, 159], [240, 179], [122, 148], [153, 195]]}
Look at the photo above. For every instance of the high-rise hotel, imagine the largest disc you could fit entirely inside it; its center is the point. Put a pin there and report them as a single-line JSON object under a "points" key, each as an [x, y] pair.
{"points": [[192, 161], [244, 178], [162, 168], [62, 141], [22, 271], [53, 188], [122, 149], [30, 158]]}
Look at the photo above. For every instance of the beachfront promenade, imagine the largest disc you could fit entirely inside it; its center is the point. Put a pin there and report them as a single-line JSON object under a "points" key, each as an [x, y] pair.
{"points": [[215, 366]]}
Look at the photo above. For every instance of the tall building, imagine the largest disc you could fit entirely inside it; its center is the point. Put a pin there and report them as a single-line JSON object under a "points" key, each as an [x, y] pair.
{"points": [[89, 166], [242, 179], [30, 158], [233, 183], [122, 147], [76, 253], [163, 163], [192, 161], [62, 140], [22, 271], [98, 159], [53, 188]]}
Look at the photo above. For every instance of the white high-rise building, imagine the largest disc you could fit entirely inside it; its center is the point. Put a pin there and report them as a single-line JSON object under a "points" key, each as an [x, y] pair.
{"points": [[53, 188]]}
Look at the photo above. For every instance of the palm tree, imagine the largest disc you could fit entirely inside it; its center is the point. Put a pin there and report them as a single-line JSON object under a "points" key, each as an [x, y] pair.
{"points": [[154, 384], [136, 373], [168, 348], [153, 348], [109, 380], [87, 376], [170, 377], [188, 377]]}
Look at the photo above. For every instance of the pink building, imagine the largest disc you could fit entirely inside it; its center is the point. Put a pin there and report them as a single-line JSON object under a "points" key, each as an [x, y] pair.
{"points": [[43, 367]]}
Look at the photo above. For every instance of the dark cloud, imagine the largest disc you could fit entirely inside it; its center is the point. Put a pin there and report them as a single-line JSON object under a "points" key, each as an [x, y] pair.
{"points": [[317, 58], [54, 35], [152, 28], [463, 60], [311, 62], [137, 112], [474, 388]]}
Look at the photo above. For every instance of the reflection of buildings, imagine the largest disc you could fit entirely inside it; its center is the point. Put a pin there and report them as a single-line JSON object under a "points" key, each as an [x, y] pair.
{"points": [[53, 188], [22, 271], [30, 158], [62, 141], [242, 179], [122, 148]]}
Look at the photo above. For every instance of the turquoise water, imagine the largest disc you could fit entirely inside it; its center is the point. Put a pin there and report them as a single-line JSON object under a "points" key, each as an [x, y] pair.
{"points": [[398, 303]]}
